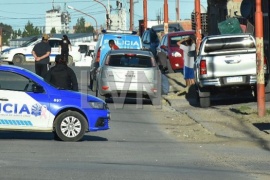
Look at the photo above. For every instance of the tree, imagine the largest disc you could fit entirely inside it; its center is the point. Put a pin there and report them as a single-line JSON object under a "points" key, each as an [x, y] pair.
{"points": [[30, 30], [53, 30], [6, 33], [80, 26]]}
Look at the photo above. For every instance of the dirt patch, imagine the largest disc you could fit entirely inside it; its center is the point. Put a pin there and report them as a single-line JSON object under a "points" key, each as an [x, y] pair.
{"points": [[183, 127]]}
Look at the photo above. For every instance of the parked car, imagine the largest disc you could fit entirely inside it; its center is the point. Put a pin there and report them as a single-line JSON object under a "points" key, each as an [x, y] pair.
{"points": [[151, 36], [169, 55], [130, 72], [123, 39], [20, 55], [28, 103]]}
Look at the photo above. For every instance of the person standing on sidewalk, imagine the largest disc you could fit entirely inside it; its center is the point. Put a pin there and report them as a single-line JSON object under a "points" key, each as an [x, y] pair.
{"points": [[188, 44], [65, 46], [41, 53]]}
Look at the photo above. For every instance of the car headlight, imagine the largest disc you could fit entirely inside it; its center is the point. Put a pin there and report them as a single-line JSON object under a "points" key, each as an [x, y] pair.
{"points": [[98, 105], [176, 54]]}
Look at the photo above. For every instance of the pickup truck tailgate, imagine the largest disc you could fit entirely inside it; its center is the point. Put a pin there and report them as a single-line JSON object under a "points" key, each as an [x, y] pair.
{"points": [[231, 65]]}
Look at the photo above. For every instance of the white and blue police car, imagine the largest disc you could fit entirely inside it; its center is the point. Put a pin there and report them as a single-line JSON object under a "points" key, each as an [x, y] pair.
{"points": [[28, 103]]}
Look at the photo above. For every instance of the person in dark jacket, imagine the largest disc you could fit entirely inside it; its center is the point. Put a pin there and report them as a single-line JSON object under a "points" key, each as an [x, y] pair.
{"points": [[41, 53], [65, 46], [62, 76]]}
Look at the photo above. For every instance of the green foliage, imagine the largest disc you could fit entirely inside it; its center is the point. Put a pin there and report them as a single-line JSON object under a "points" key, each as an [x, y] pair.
{"points": [[6, 33], [53, 30], [80, 26], [30, 30]]}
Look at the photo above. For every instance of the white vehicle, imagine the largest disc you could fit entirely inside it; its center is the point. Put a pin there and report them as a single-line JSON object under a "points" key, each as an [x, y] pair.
{"points": [[87, 50], [23, 54]]}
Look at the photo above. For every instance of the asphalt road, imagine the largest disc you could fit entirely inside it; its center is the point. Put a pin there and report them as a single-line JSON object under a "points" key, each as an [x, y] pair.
{"points": [[136, 147]]}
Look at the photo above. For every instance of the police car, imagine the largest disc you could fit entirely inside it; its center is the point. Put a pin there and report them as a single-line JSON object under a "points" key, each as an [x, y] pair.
{"points": [[28, 103]]}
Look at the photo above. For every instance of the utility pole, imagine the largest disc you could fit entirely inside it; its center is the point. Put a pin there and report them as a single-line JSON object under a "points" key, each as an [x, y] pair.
{"points": [[166, 19], [145, 14], [198, 24], [131, 14], [177, 10], [260, 59]]}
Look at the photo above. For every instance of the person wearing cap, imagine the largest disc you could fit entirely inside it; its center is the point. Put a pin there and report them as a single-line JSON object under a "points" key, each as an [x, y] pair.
{"points": [[62, 76], [65, 46], [41, 53]]}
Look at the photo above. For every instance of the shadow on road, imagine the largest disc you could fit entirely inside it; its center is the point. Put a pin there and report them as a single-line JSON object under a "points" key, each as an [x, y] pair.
{"points": [[42, 136]]}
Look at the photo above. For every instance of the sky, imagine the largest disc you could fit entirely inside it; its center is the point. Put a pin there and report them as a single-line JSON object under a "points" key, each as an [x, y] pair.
{"points": [[17, 13]]}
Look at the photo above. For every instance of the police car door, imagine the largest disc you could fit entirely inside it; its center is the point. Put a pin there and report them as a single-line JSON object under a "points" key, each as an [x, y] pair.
{"points": [[20, 107]]}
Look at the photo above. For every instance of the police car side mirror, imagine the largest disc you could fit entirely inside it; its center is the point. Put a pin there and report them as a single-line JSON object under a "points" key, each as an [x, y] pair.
{"points": [[37, 88]]}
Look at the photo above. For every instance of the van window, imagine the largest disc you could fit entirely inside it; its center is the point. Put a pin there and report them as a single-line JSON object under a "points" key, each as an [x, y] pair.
{"points": [[225, 44], [130, 61]]}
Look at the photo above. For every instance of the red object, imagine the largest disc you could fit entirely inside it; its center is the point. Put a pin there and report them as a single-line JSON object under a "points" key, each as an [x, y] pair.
{"points": [[203, 68], [169, 49]]}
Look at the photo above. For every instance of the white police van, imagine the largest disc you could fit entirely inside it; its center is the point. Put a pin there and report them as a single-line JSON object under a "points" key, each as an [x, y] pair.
{"points": [[18, 56], [28, 103]]}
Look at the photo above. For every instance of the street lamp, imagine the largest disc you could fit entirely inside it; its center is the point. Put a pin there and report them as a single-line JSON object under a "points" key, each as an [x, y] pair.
{"points": [[70, 7], [107, 13]]}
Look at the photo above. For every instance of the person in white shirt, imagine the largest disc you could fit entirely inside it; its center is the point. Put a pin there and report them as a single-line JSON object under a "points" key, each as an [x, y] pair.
{"points": [[188, 44]]}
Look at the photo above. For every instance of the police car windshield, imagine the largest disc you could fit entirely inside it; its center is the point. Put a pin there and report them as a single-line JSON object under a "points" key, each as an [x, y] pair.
{"points": [[29, 42]]}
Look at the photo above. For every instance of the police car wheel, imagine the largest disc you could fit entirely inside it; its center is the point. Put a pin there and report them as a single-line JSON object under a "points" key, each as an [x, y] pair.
{"points": [[70, 126]]}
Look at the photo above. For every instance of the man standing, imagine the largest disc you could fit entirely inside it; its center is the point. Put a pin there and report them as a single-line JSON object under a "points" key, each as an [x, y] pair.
{"points": [[41, 53], [65, 46]]}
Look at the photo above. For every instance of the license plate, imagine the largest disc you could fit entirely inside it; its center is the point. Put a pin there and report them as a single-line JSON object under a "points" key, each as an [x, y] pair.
{"points": [[234, 79]]}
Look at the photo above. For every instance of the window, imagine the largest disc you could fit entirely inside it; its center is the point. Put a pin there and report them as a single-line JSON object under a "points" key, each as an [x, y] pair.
{"points": [[226, 44], [130, 61], [54, 43], [15, 82], [175, 39]]}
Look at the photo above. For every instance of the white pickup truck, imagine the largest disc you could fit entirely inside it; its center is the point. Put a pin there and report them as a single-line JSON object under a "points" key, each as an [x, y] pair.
{"points": [[23, 54], [225, 62]]}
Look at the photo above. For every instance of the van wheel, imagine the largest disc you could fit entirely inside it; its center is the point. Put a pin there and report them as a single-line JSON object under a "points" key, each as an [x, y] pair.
{"points": [[18, 60]]}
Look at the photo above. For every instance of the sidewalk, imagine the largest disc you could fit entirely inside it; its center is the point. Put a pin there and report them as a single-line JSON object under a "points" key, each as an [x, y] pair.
{"points": [[237, 121]]}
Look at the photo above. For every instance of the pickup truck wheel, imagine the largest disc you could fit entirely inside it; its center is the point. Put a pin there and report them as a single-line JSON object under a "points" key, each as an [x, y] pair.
{"points": [[18, 60]]}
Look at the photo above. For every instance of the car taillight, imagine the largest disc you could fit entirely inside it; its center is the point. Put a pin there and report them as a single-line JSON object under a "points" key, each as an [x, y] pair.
{"points": [[203, 68], [98, 55]]}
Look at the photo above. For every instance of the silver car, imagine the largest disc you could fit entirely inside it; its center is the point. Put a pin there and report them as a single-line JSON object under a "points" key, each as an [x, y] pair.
{"points": [[129, 72]]}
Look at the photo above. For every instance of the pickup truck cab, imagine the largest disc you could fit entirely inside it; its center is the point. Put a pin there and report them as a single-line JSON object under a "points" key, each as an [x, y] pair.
{"points": [[20, 55], [225, 62]]}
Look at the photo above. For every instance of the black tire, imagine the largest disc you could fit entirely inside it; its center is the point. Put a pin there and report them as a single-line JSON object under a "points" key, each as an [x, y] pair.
{"points": [[18, 60], [96, 88], [70, 61], [10, 63], [204, 97], [70, 126]]}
